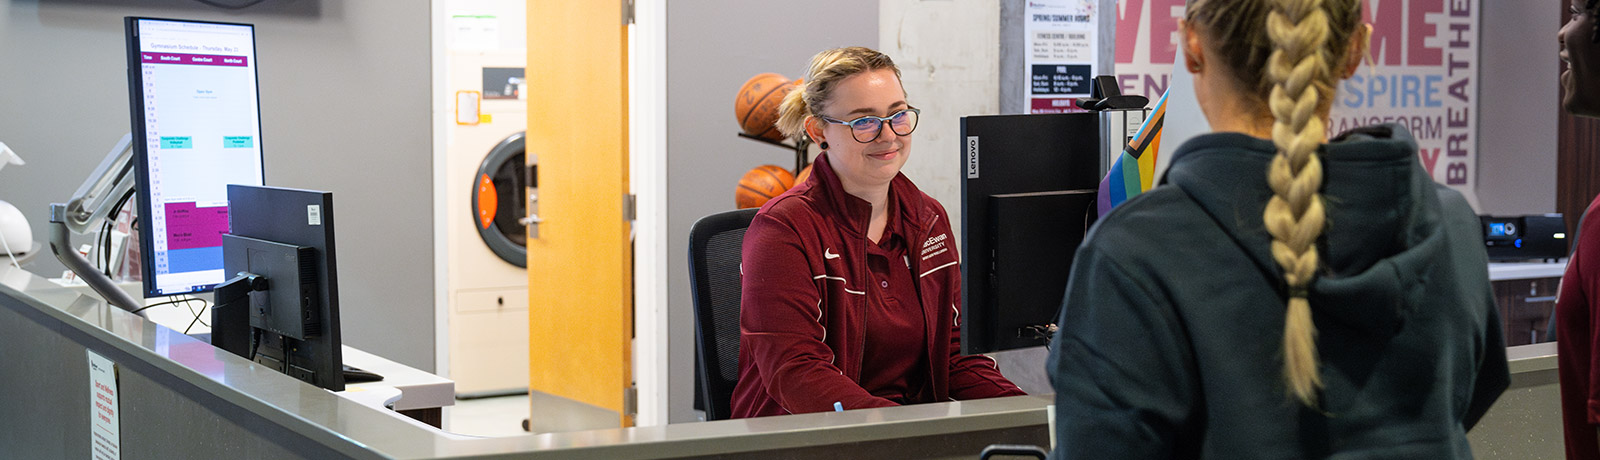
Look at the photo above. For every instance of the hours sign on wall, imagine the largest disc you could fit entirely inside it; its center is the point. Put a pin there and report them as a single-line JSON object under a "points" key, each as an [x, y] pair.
{"points": [[1059, 53]]}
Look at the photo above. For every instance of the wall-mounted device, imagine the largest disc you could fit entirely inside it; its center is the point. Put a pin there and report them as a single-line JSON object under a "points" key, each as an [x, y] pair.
{"points": [[1541, 236]]}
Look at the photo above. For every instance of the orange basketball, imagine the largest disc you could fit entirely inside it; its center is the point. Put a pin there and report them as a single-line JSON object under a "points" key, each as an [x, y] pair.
{"points": [[761, 184], [757, 105], [804, 173]]}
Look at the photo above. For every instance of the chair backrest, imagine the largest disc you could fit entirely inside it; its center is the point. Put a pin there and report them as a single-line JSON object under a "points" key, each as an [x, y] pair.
{"points": [[715, 250]]}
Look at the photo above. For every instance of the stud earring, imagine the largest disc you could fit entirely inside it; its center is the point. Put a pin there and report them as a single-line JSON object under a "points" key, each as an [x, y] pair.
{"points": [[824, 145]]}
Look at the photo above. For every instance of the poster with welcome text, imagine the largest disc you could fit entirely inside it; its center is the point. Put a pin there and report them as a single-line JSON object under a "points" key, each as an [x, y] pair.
{"points": [[1421, 73]]}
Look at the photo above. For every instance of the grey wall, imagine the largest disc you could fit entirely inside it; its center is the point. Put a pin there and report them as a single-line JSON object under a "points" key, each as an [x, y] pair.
{"points": [[713, 46], [345, 107], [1518, 94]]}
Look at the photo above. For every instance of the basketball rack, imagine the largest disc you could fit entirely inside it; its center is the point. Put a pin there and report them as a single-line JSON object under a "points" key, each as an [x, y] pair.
{"points": [[801, 148]]}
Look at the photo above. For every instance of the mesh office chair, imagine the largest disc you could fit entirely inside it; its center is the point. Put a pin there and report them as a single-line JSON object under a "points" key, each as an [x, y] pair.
{"points": [[715, 244]]}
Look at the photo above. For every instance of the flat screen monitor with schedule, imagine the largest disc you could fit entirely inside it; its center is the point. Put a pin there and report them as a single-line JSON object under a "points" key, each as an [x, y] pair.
{"points": [[196, 129]]}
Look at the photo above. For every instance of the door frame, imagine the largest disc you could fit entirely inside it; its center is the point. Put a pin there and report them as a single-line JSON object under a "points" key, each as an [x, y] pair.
{"points": [[647, 110]]}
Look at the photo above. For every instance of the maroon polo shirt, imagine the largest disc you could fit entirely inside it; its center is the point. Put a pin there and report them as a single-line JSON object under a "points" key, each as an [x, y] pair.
{"points": [[1578, 340], [804, 323], [896, 342]]}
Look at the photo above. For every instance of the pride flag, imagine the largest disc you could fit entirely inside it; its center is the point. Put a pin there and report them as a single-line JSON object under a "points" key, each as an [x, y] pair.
{"points": [[1133, 172]]}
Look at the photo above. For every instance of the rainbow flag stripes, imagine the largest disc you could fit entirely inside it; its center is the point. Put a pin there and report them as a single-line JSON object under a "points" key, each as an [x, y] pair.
{"points": [[1133, 171]]}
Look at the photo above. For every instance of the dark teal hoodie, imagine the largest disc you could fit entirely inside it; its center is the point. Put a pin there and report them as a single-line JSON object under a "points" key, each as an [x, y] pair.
{"points": [[1172, 325]]}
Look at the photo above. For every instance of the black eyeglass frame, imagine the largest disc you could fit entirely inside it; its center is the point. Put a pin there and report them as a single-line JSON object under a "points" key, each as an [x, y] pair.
{"points": [[882, 122]]}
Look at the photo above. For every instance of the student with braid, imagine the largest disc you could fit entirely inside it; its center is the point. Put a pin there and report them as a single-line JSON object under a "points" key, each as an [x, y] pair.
{"points": [[1281, 295]]}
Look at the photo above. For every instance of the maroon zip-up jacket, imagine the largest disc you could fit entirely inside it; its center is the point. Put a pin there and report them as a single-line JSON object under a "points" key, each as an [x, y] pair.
{"points": [[805, 275]]}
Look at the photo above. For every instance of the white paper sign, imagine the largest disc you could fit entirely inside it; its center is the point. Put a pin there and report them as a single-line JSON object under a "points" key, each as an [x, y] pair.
{"points": [[475, 32], [467, 112], [104, 416], [1060, 54]]}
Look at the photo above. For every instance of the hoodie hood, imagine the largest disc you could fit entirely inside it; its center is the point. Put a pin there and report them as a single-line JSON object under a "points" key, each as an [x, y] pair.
{"points": [[1383, 217]]}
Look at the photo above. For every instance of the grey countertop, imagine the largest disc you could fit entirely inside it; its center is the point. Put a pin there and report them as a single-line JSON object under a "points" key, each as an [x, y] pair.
{"points": [[357, 430], [361, 431]]}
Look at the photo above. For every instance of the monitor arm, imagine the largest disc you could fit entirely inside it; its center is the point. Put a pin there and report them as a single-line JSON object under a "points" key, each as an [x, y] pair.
{"points": [[88, 207], [102, 189]]}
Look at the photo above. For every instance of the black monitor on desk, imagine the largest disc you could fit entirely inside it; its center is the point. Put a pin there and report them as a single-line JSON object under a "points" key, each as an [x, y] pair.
{"points": [[280, 305], [1026, 202]]}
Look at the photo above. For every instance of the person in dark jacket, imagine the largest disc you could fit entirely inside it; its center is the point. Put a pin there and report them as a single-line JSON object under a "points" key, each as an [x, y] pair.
{"points": [[1278, 296], [851, 281], [1577, 321]]}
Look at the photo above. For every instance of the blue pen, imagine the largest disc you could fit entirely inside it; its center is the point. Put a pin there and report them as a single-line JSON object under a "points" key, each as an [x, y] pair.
{"points": [[838, 406]]}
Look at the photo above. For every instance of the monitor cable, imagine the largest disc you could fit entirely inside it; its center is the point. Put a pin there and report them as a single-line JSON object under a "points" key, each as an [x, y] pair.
{"points": [[163, 303], [105, 232], [196, 314], [1042, 332], [255, 342], [7, 247], [188, 302], [283, 347], [203, 308]]}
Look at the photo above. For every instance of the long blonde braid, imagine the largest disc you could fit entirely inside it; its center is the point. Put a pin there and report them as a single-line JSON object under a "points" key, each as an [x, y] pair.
{"points": [[1300, 72]]}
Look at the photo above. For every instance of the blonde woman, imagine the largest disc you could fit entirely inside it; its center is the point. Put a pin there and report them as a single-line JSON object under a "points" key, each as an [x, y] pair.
{"points": [[1281, 295], [851, 286]]}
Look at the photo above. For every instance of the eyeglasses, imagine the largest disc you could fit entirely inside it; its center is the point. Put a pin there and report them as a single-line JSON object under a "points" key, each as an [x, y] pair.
{"points": [[867, 129]]}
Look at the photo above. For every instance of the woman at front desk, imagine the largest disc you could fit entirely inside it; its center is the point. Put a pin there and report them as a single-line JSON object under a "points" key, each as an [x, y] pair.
{"points": [[851, 288]]}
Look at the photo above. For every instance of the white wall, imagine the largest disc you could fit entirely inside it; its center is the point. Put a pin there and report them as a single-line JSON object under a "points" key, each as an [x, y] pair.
{"points": [[949, 58], [1519, 101], [345, 108]]}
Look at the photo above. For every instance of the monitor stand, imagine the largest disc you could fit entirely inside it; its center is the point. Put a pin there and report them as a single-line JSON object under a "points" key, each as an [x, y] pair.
{"points": [[230, 323]]}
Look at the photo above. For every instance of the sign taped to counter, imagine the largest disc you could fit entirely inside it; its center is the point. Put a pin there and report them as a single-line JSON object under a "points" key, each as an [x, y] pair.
{"points": [[105, 439]]}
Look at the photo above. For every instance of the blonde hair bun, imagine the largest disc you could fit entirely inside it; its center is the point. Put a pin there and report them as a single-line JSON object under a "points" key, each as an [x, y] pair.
{"points": [[813, 91]]}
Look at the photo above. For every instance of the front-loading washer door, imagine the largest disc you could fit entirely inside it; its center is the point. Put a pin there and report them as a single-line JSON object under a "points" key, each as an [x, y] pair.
{"points": [[500, 199]]}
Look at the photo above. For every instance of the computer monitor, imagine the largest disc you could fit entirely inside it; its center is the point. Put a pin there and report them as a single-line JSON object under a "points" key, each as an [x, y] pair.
{"points": [[196, 129], [1026, 203], [280, 305]]}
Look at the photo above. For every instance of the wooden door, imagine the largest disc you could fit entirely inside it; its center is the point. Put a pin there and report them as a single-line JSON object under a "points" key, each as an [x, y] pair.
{"points": [[580, 303]]}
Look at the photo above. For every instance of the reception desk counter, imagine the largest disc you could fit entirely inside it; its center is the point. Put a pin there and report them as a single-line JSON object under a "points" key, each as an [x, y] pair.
{"points": [[182, 398]]}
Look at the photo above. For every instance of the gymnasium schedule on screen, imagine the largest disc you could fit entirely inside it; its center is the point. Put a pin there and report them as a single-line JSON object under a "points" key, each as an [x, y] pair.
{"points": [[202, 131]]}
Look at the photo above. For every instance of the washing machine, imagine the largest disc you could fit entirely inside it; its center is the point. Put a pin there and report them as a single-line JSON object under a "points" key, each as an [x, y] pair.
{"points": [[488, 185]]}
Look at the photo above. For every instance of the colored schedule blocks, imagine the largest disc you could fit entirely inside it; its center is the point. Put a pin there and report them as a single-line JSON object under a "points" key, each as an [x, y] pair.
{"points": [[238, 142], [177, 142], [194, 236]]}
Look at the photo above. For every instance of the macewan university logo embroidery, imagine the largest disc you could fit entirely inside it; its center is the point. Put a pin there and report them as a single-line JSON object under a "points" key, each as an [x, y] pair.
{"points": [[935, 246]]}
